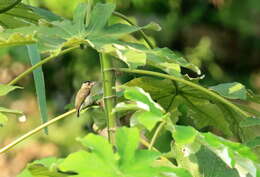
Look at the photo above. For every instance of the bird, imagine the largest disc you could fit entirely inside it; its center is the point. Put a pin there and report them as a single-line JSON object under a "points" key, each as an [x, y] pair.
{"points": [[82, 94]]}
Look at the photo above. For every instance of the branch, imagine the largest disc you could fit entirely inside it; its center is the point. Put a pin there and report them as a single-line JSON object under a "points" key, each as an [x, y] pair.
{"points": [[155, 135], [132, 23], [29, 70], [39, 128]]}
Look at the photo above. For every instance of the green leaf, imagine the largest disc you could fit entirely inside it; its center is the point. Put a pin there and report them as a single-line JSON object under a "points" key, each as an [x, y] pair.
{"points": [[251, 96], [143, 99], [233, 90], [100, 146], [148, 112], [160, 90], [17, 38], [88, 164], [3, 119], [184, 135], [11, 111], [97, 21], [133, 58], [127, 141], [100, 161], [19, 16], [47, 15], [25, 173], [205, 113], [200, 110], [5, 89], [126, 107], [178, 172], [38, 76], [200, 153], [6, 5], [79, 17], [211, 165], [249, 122], [39, 170], [234, 148], [235, 155], [46, 167], [162, 58], [169, 60], [146, 118], [254, 142]]}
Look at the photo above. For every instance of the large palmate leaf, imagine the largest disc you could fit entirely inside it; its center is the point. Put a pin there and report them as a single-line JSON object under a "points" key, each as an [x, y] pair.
{"points": [[198, 109], [128, 161], [191, 104], [52, 36], [164, 58], [20, 16], [101, 161], [205, 154]]}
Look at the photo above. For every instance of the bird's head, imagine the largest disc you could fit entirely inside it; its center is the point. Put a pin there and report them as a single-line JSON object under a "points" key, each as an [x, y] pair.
{"points": [[88, 84]]}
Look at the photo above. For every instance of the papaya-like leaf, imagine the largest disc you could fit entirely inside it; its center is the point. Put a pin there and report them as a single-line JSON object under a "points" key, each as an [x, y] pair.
{"points": [[101, 161], [226, 156], [187, 103]]}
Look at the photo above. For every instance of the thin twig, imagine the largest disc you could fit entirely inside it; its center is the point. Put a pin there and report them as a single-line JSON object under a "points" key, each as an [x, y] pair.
{"points": [[146, 144], [38, 129], [147, 40], [29, 70], [155, 135], [34, 131]]}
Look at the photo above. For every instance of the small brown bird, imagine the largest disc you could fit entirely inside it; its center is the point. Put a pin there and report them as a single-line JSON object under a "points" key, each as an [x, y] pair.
{"points": [[82, 94]]}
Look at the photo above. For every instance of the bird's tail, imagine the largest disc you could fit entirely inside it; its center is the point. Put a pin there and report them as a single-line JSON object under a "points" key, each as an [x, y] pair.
{"points": [[78, 112]]}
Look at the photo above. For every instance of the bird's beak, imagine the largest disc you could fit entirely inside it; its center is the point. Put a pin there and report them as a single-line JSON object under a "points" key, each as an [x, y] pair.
{"points": [[93, 83]]}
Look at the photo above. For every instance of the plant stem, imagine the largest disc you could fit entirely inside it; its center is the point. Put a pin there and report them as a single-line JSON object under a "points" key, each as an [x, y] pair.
{"points": [[155, 135], [146, 144], [29, 70], [109, 94], [39, 128], [132, 23], [191, 84]]}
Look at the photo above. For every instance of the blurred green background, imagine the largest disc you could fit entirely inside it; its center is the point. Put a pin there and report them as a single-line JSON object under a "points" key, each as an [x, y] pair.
{"points": [[222, 37]]}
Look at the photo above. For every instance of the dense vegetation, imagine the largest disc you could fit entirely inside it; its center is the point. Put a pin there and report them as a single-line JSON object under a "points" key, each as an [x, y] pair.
{"points": [[151, 115]]}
